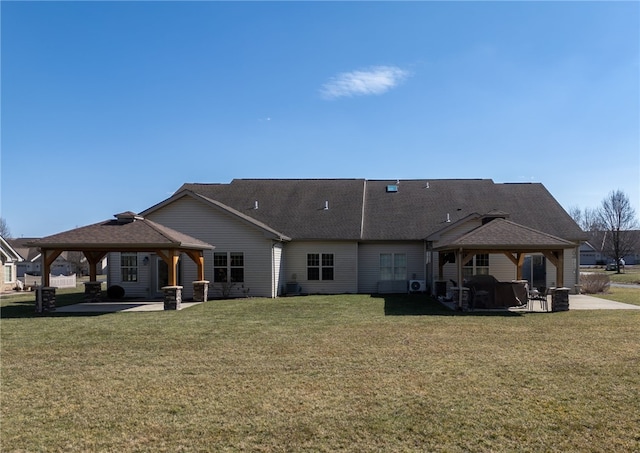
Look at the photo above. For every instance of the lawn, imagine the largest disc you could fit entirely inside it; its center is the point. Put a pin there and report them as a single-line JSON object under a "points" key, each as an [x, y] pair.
{"points": [[320, 373], [631, 274]]}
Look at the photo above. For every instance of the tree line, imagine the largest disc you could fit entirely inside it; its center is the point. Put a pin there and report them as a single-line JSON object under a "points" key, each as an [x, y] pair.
{"points": [[615, 220]]}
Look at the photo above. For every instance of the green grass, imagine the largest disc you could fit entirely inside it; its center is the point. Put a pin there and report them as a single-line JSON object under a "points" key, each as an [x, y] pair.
{"points": [[320, 373], [627, 294], [631, 274]]}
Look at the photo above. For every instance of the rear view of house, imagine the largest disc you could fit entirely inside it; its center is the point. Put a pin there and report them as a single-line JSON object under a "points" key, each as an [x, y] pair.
{"points": [[333, 236]]}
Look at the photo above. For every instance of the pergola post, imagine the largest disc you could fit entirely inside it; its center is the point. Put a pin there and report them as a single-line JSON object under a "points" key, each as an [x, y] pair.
{"points": [[93, 258], [48, 257], [557, 259]]}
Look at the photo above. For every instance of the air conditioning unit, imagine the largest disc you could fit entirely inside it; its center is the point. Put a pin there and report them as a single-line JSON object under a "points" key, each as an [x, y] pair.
{"points": [[417, 286]]}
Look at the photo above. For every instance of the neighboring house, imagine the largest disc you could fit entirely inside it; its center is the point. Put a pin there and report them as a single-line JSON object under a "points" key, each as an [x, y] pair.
{"points": [[332, 236], [63, 265], [31, 257], [10, 259], [594, 251]]}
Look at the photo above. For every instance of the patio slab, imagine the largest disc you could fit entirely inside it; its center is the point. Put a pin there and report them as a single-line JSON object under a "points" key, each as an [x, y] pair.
{"points": [[114, 307], [576, 302], [585, 302]]}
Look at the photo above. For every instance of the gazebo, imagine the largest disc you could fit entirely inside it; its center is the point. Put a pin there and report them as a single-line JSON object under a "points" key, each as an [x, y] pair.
{"points": [[506, 237], [128, 232]]}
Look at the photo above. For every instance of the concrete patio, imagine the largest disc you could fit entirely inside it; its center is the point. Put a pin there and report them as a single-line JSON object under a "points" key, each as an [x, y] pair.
{"points": [[113, 307]]}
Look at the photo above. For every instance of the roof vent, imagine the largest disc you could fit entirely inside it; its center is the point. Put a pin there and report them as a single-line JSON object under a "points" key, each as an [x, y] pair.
{"points": [[255, 206], [326, 205], [392, 188], [128, 217]]}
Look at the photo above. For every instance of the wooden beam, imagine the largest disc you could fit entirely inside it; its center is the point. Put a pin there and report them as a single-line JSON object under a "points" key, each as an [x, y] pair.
{"points": [[93, 257], [557, 259], [468, 257], [520, 265], [173, 268], [171, 257], [198, 258], [513, 259], [165, 255], [48, 257]]}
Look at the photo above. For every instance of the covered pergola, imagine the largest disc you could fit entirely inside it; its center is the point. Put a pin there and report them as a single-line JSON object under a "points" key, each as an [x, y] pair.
{"points": [[501, 236], [128, 232]]}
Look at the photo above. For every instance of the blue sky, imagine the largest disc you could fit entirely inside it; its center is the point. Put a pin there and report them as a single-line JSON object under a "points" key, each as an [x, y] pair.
{"points": [[112, 106]]}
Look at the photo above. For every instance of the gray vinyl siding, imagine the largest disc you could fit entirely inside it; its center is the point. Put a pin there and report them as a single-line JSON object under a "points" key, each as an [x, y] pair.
{"points": [[345, 274], [131, 289], [369, 262], [502, 268], [228, 234]]}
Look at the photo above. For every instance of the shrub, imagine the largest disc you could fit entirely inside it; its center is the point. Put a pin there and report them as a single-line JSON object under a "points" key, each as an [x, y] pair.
{"points": [[594, 283], [115, 292]]}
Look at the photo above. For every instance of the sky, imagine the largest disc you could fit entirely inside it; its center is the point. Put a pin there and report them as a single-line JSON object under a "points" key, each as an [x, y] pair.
{"points": [[109, 107]]}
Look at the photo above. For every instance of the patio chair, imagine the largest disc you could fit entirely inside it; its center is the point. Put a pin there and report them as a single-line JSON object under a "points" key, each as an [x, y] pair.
{"points": [[540, 295]]}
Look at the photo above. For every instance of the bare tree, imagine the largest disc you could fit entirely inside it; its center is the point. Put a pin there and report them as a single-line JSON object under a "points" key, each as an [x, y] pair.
{"points": [[587, 219], [79, 263], [4, 229], [618, 219]]}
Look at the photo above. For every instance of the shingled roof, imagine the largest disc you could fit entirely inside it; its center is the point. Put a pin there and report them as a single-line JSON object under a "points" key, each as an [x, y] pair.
{"points": [[126, 232], [501, 234], [359, 209]]}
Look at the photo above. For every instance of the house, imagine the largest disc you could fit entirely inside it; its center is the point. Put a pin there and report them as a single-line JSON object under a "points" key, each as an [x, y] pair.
{"points": [[597, 249], [333, 236], [63, 265], [10, 259]]}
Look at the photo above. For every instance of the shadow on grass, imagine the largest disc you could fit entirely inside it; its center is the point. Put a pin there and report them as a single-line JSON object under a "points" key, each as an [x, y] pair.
{"points": [[25, 308], [424, 305]]}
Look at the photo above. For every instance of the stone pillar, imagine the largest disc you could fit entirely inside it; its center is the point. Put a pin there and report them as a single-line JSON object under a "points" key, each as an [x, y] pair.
{"points": [[461, 304], [45, 299], [560, 299], [93, 291], [200, 290], [172, 297]]}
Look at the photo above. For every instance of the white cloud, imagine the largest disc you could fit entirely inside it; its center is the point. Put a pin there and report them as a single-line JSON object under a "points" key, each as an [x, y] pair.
{"points": [[371, 81]]}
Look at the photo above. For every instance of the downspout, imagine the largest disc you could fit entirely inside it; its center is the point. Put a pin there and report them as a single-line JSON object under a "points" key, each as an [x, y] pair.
{"points": [[274, 279], [577, 270], [460, 278], [364, 198]]}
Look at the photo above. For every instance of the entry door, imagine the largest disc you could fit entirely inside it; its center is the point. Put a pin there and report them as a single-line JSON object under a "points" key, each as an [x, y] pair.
{"points": [[534, 269], [162, 274]]}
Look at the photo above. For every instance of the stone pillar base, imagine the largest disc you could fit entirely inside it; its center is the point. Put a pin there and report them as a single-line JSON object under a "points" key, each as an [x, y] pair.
{"points": [[560, 299], [172, 297], [200, 290], [93, 291], [45, 299]]}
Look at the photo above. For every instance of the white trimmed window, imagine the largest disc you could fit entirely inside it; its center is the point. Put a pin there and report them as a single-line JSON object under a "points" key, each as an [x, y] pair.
{"points": [[8, 273], [320, 266], [393, 266], [129, 266], [228, 267], [478, 265]]}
